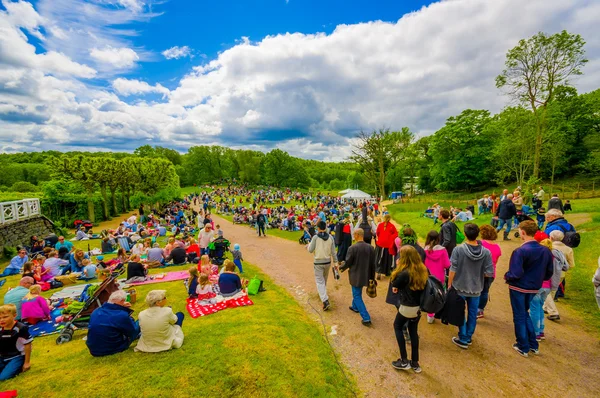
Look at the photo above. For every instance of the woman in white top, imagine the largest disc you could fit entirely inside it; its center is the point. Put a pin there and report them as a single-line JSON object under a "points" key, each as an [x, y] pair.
{"points": [[160, 327]]}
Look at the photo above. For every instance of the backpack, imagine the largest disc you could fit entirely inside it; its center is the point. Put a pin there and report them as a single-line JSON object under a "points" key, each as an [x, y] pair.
{"points": [[367, 229], [434, 296], [572, 238]]}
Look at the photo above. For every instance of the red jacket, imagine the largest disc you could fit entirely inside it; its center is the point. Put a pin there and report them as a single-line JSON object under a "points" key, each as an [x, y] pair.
{"points": [[386, 235]]}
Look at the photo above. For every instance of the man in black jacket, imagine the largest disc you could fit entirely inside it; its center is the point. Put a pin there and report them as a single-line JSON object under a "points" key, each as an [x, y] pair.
{"points": [[178, 256], [555, 203], [360, 261], [505, 213], [448, 232]]}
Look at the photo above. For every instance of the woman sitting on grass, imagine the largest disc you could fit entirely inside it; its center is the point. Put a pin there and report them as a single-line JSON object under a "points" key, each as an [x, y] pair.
{"points": [[76, 261], [193, 281], [230, 283], [160, 327], [34, 308], [136, 272]]}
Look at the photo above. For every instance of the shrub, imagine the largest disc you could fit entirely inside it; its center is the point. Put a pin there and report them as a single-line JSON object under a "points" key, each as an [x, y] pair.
{"points": [[24, 186]]}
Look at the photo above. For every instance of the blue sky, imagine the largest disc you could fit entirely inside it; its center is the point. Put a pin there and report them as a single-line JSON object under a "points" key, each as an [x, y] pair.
{"points": [[304, 76]]}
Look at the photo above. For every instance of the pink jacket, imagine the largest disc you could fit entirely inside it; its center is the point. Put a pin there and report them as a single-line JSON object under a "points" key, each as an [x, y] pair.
{"points": [[437, 261], [494, 248], [35, 308]]}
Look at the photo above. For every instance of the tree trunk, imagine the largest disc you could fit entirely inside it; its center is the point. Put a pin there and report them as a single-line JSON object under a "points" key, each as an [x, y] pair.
{"points": [[381, 180], [105, 213], [90, 206], [113, 199], [127, 198], [123, 201]]}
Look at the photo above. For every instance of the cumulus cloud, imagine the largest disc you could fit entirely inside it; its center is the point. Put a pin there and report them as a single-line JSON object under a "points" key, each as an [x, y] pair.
{"points": [[177, 52], [117, 57], [134, 86], [306, 93]]}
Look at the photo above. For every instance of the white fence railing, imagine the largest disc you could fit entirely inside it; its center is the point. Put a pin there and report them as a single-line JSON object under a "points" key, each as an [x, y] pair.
{"points": [[19, 210]]}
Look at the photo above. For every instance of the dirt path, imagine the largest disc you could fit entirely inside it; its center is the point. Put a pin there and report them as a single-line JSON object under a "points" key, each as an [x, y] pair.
{"points": [[566, 366]]}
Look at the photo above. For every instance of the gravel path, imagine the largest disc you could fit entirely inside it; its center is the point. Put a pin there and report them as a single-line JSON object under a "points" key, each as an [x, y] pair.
{"points": [[568, 364]]}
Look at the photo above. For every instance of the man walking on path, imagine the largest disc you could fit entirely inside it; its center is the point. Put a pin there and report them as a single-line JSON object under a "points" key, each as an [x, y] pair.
{"points": [[505, 213], [447, 232], [323, 247], [360, 261], [470, 264], [530, 265], [555, 203], [261, 220]]}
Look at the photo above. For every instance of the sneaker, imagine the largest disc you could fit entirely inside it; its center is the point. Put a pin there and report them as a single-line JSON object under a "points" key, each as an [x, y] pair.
{"points": [[401, 365], [479, 314], [538, 338], [366, 323], [541, 336], [415, 366], [535, 351], [521, 353], [353, 309], [430, 319], [326, 305], [459, 343], [554, 318]]}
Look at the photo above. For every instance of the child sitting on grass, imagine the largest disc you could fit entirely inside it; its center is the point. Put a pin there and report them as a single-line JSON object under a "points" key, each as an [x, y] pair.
{"points": [[15, 350], [204, 288], [237, 257], [193, 282], [89, 270], [34, 308]]}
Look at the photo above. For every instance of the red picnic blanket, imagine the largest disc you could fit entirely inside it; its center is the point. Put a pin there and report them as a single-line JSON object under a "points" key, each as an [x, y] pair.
{"points": [[196, 309]]}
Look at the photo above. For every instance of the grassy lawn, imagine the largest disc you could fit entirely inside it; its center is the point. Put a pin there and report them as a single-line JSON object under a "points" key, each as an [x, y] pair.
{"points": [[580, 291], [258, 350]]}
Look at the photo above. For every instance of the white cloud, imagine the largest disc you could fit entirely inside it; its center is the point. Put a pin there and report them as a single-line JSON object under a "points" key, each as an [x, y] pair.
{"points": [[305, 93], [177, 52], [117, 57], [135, 5], [134, 86]]}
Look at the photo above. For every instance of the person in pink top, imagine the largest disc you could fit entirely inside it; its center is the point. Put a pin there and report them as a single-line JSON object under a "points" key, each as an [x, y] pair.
{"points": [[436, 260], [488, 237], [35, 307]]}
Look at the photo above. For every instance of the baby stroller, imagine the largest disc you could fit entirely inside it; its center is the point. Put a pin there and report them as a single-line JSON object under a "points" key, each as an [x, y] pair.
{"points": [[217, 250], [521, 216], [84, 225], [99, 297]]}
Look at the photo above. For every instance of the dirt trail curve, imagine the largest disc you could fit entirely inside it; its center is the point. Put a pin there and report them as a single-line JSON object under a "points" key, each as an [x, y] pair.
{"points": [[568, 364]]}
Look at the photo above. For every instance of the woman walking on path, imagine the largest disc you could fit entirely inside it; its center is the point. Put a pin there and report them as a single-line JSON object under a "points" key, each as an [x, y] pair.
{"points": [[343, 236], [488, 237], [408, 280], [386, 236], [436, 261]]}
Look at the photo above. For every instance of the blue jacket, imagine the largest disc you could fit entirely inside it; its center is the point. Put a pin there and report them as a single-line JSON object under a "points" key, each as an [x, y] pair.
{"points": [[560, 224], [75, 266], [506, 210], [111, 330], [530, 265]]}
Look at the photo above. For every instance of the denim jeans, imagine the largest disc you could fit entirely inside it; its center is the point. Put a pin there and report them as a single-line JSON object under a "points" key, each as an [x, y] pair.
{"points": [[9, 272], [180, 317], [465, 332], [524, 331], [501, 223], [536, 310], [485, 293], [9, 368], [358, 303]]}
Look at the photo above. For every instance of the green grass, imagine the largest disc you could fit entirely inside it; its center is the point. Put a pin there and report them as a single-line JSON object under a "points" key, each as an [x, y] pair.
{"points": [[260, 350]]}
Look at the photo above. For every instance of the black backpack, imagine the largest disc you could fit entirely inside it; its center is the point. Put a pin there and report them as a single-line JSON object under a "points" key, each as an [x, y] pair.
{"points": [[572, 238], [434, 296], [367, 228]]}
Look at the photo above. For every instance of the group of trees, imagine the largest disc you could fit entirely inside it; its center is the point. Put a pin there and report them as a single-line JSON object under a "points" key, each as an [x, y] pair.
{"points": [[549, 131]]}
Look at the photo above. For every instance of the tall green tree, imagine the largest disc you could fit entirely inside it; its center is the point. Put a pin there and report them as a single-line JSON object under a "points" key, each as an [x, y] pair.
{"points": [[535, 68], [460, 152], [379, 151]]}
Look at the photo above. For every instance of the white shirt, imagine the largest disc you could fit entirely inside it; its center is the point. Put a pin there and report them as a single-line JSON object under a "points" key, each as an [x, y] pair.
{"points": [[204, 238], [159, 332]]}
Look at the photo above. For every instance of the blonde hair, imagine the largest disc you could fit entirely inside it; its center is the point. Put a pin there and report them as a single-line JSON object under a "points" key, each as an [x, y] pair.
{"points": [[79, 255], [85, 261], [171, 241], [410, 260], [229, 266], [194, 272], [34, 290], [8, 309], [547, 243], [203, 280], [205, 260]]}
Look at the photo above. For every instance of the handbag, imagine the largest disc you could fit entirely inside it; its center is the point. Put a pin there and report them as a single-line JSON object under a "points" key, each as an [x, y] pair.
{"points": [[255, 286], [372, 288]]}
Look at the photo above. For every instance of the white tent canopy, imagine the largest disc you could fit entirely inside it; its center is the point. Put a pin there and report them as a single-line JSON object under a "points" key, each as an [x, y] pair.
{"points": [[356, 194], [345, 191]]}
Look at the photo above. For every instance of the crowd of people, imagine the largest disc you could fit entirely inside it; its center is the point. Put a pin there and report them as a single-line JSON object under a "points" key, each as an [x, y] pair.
{"points": [[358, 237]]}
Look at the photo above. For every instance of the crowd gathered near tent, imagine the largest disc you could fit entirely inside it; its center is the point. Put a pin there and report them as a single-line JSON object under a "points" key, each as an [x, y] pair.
{"points": [[446, 277]]}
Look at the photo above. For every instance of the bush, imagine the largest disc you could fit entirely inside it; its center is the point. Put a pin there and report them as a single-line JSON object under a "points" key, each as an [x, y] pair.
{"points": [[24, 186], [9, 252]]}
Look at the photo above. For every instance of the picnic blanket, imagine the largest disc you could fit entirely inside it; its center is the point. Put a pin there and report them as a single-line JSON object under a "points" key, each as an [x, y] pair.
{"points": [[198, 307], [48, 327], [71, 292], [168, 277]]}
